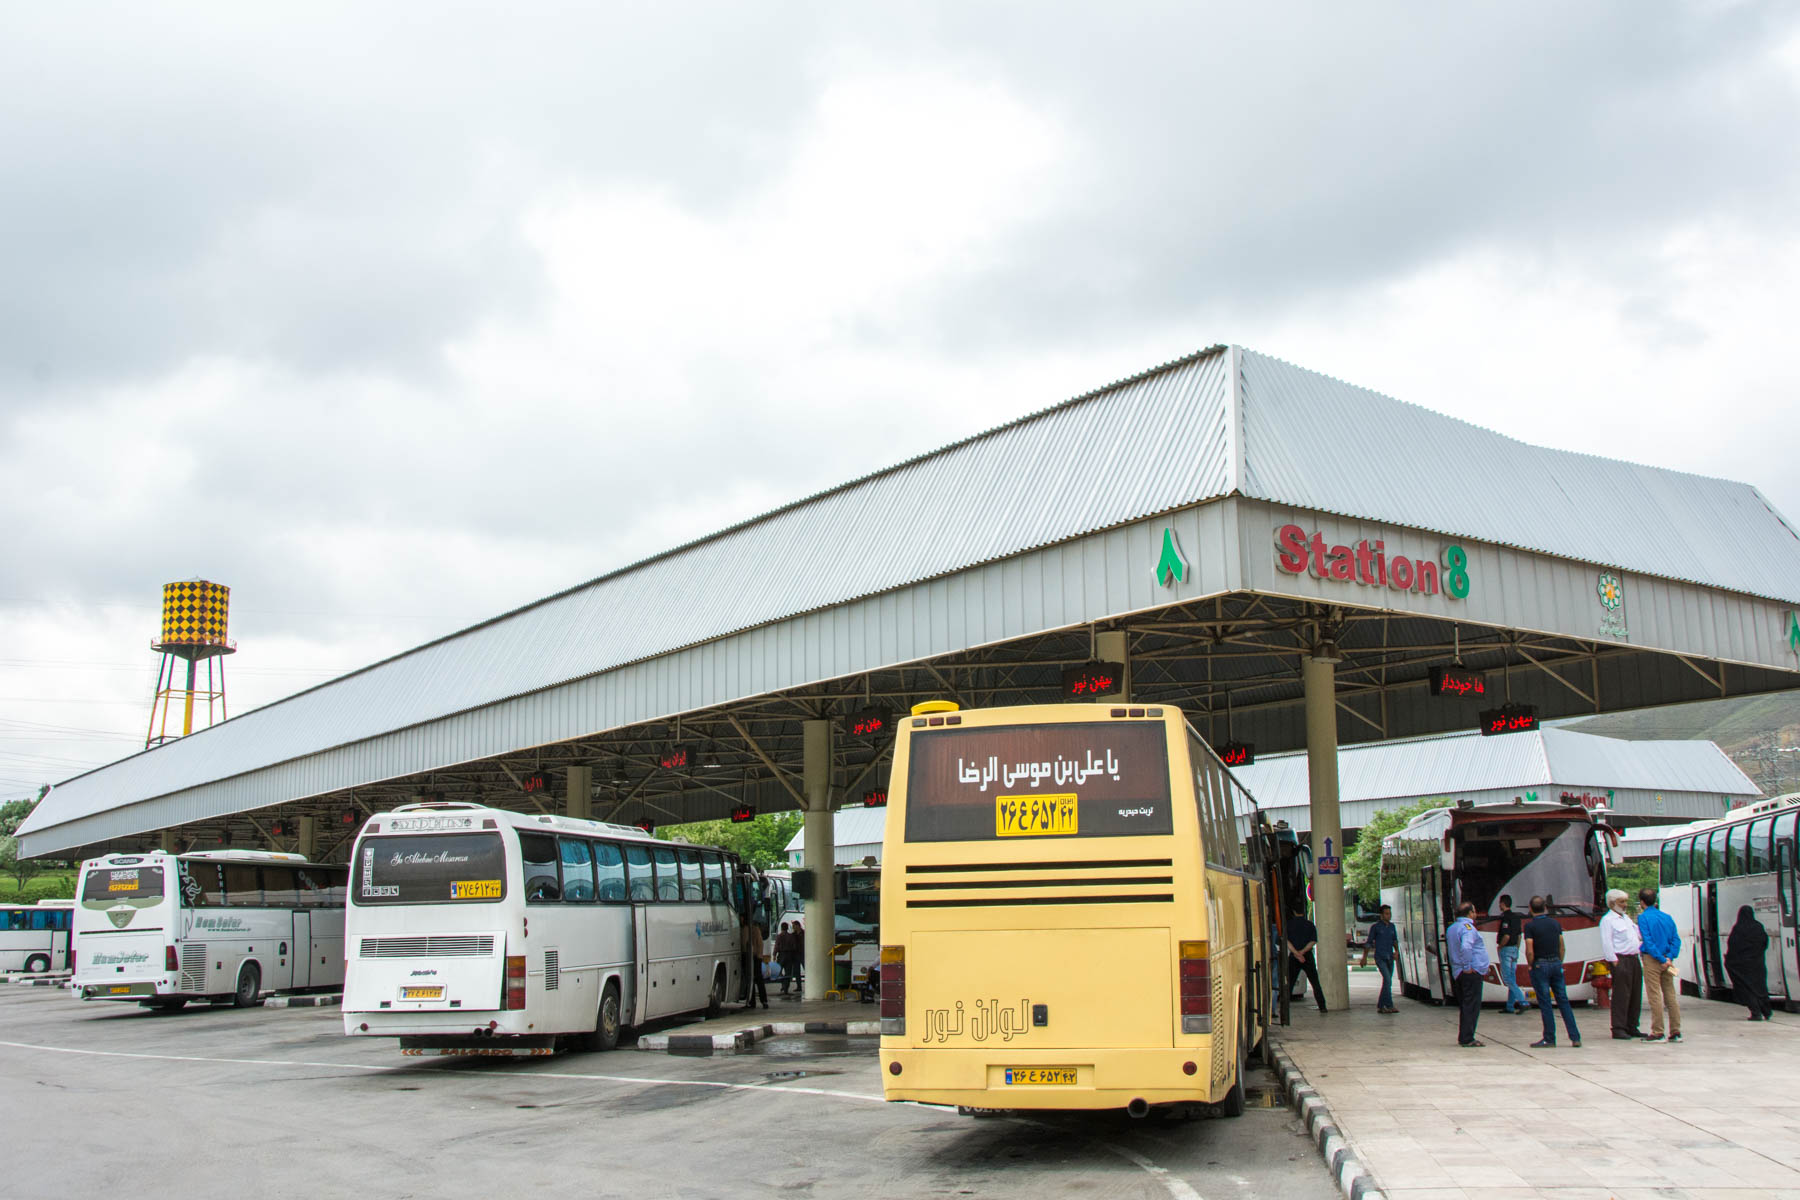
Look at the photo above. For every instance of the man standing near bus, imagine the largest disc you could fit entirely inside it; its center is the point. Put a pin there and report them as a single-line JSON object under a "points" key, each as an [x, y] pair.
{"points": [[1544, 949], [1661, 945], [1383, 941], [1506, 941], [1302, 936], [1622, 947], [1468, 967]]}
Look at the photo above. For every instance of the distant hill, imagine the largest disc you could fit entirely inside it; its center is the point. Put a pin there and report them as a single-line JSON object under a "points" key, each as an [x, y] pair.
{"points": [[1752, 730]]}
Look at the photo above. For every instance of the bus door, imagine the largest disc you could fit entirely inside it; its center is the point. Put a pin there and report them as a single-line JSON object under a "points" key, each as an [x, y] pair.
{"points": [[1787, 888], [1431, 880], [1712, 971], [302, 948], [640, 957]]}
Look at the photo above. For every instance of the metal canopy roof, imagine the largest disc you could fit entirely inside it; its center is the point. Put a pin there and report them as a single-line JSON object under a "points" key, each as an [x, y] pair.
{"points": [[773, 608], [1388, 775]]}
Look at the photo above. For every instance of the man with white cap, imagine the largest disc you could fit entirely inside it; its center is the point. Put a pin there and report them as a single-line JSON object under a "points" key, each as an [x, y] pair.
{"points": [[1620, 946]]}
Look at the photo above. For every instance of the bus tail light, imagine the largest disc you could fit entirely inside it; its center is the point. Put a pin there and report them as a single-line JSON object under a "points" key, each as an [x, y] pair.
{"points": [[893, 990], [515, 982], [1195, 966], [171, 964]]}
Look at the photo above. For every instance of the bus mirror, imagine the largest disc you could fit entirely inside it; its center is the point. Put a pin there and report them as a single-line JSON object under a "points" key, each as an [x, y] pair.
{"points": [[803, 883]]}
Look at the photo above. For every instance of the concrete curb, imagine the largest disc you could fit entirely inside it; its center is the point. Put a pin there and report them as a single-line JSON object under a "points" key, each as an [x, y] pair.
{"points": [[303, 1001], [61, 981], [741, 1040], [1354, 1180]]}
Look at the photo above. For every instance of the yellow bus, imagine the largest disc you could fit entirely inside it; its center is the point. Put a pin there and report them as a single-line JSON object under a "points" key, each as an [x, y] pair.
{"points": [[1067, 918]]}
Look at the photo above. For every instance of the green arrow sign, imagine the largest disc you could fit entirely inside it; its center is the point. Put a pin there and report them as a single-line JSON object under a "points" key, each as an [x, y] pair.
{"points": [[1793, 630], [1171, 567]]}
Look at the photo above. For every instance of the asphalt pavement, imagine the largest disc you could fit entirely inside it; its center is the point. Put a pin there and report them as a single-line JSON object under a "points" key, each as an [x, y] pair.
{"points": [[223, 1102]]}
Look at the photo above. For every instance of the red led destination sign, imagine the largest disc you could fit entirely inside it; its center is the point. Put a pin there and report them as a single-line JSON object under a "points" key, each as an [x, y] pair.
{"points": [[537, 781], [1236, 754], [647, 825], [1092, 679], [875, 798], [1457, 681], [870, 722], [741, 813], [1509, 718], [676, 758]]}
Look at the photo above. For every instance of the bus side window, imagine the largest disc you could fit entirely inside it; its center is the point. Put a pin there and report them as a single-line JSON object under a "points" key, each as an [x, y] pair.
{"points": [[714, 866], [242, 887], [1691, 870], [334, 882], [207, 890], [306, 889], [278, 887], [693, 887], [1715, 855], [609, 867], [1739, 852], [1665, 864], [538, 852], [1759, 846], [577, 871], [643, 881], [668, 880]]}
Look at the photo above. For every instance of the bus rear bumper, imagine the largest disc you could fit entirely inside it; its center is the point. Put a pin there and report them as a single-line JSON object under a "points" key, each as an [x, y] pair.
{"points": [[1110, 1079]]}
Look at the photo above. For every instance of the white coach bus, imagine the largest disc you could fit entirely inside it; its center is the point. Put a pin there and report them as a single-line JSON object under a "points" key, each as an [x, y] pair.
{"points": [[1711, 869], [474, 930], [35, 937], [162, 929]]}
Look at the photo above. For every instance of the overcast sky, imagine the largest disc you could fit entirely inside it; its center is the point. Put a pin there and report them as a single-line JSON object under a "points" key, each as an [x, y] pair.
{"points": [[394, 317]]}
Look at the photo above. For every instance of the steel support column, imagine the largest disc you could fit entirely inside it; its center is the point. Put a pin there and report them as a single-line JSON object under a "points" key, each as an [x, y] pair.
{"points": [[1320, 681], [820, 859], [580, 798]]}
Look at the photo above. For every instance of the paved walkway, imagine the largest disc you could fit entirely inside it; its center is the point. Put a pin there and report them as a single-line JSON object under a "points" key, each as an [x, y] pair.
{"points": [[1716, 1116]]}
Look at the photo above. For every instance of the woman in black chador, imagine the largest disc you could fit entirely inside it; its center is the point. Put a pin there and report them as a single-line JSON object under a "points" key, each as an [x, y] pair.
{"points": [[1746, 960]]}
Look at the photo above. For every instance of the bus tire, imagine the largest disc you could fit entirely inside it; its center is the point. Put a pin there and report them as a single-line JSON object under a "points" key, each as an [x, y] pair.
{"points": [[37, 964], [606, 1020], [249, 988], [1233, 1105], [715, 999]]}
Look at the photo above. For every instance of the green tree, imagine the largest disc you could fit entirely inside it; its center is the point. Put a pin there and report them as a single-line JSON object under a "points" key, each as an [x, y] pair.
{"points": [[1632, 876], [1362, 865], [12, 814], [761, 841]]}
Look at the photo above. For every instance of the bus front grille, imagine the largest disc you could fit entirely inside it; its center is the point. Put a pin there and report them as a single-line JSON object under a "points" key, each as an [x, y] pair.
{"points": [[437, 945], [1092, 881], [193, 967]]}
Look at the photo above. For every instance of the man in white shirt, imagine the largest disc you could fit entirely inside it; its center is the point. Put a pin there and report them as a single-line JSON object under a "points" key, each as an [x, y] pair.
{"points": [[1620, 946]]}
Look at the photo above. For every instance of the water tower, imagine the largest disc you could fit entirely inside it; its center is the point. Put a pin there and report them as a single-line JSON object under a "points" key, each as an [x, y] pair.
{"points": [[193, 631]]}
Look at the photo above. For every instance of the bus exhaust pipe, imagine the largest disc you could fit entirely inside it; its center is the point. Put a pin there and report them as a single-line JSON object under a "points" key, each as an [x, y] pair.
{"points": [[1138, 1109]]}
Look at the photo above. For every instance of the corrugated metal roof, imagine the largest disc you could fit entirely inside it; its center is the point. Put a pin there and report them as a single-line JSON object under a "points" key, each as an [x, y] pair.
{"points": [[855, 833], [1458, 764], [1183, 433], [1311, 441]]}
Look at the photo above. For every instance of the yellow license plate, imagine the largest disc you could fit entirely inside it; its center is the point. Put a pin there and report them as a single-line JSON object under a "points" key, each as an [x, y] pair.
{"points": [[475, 889], [1040, 1077], [119, 991], [1035, 816], [422, 993]]}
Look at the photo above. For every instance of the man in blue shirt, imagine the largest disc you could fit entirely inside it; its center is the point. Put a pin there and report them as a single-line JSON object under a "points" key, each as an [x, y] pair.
{"points": [[1661, 979], [1468, 965], [1383, 941]]}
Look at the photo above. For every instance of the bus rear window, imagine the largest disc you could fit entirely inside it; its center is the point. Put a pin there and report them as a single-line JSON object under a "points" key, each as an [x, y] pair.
{"points": [[1023, 781], [430, 869], [123, 883]]}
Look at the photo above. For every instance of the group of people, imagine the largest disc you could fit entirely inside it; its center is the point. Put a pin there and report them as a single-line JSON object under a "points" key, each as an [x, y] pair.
{"points": [[789, 953], [1641, 957]]}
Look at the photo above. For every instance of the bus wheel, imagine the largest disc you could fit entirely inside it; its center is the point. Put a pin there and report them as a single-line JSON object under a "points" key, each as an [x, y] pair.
{"points": [[1233, 1104], [715, 1000], [606, 1021], [249, 986], [37, 964]]}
